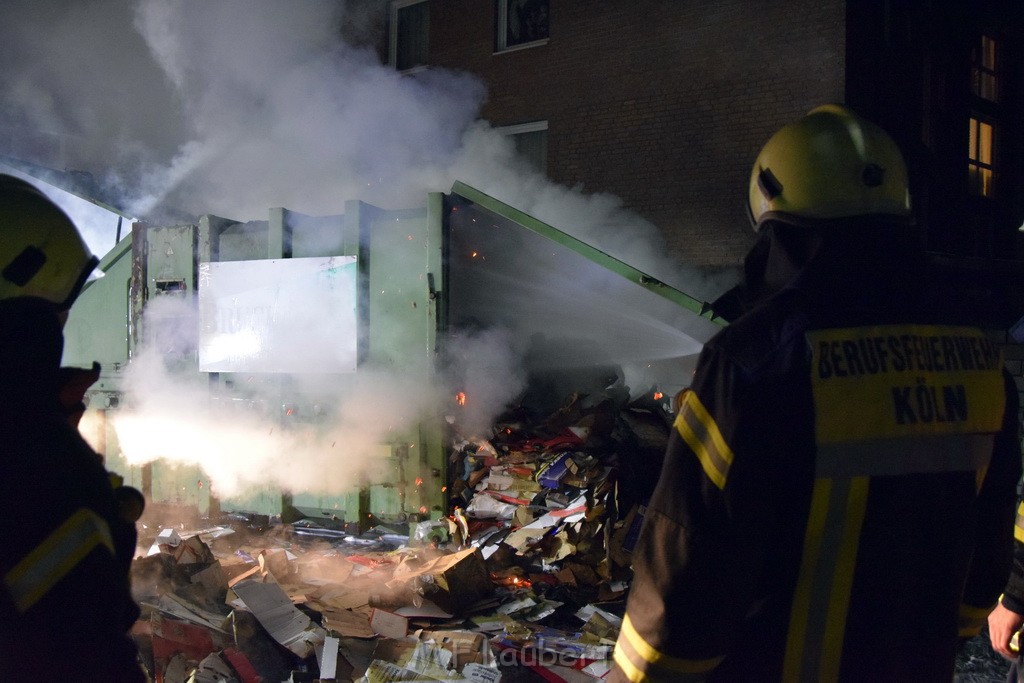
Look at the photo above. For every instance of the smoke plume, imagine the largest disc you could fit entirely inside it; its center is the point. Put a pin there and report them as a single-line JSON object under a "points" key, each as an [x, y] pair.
{"points": [[181, 108]]}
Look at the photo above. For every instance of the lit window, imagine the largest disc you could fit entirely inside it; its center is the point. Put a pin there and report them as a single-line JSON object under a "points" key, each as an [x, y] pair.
{"points": [[531, 141], [980, 157], [521, 23], [408, 45], [984, 73]]}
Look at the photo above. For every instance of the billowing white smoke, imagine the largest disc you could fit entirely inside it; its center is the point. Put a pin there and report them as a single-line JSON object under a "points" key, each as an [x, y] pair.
{"points": [[486, 369], [283, 113], [232, 107], [246, 445]]}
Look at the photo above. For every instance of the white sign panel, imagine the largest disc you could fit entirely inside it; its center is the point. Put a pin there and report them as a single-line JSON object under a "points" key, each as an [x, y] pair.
{"points": [[278, 315]]}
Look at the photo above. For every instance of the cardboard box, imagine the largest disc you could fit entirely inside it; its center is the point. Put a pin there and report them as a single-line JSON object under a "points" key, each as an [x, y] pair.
{"points": [[458, 581], [466, 646], [551, 475], [171, 636]]}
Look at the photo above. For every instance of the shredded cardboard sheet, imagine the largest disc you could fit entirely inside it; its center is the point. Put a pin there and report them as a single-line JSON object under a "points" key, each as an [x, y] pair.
{"points": [[276, 613]]}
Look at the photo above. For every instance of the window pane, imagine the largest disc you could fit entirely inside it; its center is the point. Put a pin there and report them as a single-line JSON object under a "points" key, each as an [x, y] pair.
{"points": [[980, 142], [985, 143], [980, 180], [534, 147], [984, 72], [985, 85], [412, 36], [525, 21], [980, 157], [988, 53]]}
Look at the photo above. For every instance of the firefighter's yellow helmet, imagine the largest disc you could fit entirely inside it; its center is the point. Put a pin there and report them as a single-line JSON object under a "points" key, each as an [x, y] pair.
{"points": [[829, 165], [42, 254]]}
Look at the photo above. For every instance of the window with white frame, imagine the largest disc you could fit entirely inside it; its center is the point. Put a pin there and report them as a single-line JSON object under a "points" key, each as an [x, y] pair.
{"points": [[521, 23], [409, 37], [531, 142]]}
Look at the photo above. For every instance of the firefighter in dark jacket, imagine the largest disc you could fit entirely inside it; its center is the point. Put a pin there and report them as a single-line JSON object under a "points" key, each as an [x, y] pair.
{"points": [[65, 601], [837, 498], [1007, 619]]}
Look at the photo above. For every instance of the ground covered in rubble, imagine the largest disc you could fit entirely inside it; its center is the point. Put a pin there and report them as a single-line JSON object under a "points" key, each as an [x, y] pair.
{"points": [[524, 580]]}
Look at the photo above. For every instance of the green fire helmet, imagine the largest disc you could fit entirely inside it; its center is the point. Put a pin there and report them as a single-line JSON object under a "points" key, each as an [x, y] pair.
{"points": [[829, 165], [42, 254]]}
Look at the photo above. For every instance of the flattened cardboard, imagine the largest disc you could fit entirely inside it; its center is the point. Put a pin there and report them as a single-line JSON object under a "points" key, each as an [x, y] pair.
{"points": [[348, 623], [389, 624], [276, 613]]}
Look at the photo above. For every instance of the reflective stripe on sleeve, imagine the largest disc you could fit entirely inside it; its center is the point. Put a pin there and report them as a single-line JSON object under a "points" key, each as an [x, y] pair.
{"points": [[1018, 524], [51, 560], [814, 646], [972, 619], [641, 662], [696, 426]]}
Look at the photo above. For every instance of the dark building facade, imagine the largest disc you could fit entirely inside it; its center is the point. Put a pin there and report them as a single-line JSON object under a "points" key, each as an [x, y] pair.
{"points": [[665, 104]]}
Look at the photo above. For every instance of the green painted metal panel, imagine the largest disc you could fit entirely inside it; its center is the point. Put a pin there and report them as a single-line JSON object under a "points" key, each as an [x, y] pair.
{"points": [[170, 262], [180, 485], [97, 330], [402, 259], [97, 324]]}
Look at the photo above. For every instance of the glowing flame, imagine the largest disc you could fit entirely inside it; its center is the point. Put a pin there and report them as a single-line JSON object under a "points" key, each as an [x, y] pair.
{"points": [[460, 398], [419, 481], [513, 582], [658, 395]]}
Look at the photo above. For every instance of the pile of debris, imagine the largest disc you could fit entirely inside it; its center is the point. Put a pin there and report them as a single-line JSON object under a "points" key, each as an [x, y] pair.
{"points": [[528, 571]]}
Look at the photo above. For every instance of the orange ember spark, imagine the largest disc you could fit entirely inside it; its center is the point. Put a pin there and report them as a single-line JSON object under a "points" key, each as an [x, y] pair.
{"points": [[460, 398], [443, 489], [419, 481], [658, 395]]}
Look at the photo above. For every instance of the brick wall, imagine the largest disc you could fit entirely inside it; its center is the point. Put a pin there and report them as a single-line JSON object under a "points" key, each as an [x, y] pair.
{"points": [[663, 103]]}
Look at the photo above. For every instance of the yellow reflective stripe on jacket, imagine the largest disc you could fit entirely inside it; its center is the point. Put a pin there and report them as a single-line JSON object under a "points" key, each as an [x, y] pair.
{"points": [[641, 662], [696, 426], [821, 601], [51, 560], [972, 619], [1018, 524]]}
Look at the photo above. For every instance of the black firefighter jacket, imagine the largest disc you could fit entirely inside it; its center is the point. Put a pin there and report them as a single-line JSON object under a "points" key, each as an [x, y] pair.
{"points": [[65, 601], [836, 502]]}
